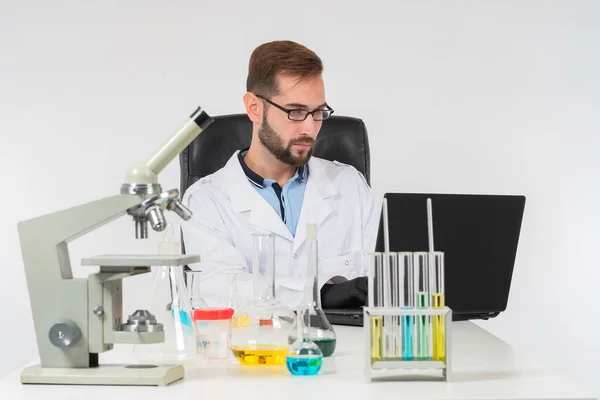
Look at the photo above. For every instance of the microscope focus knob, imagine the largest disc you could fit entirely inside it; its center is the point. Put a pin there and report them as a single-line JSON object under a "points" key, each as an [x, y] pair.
{"points": [[64, 334]]}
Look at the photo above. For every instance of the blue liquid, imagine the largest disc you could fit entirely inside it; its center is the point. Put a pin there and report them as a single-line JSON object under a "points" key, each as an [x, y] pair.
{"points": [[184, 316], [408, 323], [304, 365]]}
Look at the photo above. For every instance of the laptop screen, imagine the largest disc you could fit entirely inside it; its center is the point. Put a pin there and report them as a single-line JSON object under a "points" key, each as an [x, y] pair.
{"points": [[479, 235]]}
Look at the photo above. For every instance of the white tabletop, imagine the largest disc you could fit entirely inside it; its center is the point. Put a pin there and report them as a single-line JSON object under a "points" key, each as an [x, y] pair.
{"points": [[484, 367]]}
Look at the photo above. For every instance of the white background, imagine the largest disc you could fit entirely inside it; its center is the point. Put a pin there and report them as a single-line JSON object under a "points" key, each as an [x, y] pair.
{"points": [[496, 97]]}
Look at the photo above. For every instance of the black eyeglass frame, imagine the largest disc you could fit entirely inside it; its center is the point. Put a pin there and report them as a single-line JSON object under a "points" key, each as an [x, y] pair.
{"points": [[326, 112]]}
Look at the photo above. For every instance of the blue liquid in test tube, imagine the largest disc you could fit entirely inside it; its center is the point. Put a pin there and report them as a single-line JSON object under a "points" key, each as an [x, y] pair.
{"points": [[407, 301], [408, 326]]}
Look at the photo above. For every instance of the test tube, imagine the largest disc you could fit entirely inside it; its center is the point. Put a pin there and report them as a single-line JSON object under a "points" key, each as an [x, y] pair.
{"points": [[407, 301], [396, 304], [375, 265], [436, 271], [423, 301], [390, 299]]}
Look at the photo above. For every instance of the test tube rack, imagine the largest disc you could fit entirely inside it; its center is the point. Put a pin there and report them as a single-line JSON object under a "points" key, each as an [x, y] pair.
{"points": [[399, 363]]}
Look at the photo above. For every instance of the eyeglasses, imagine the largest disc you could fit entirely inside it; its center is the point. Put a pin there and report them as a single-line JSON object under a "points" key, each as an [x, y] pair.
{"points": [[300, 114]]}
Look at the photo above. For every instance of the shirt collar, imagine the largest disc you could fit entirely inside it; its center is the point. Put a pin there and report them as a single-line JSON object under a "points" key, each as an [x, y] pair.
{"points": [[257, 180], [252, 176]]}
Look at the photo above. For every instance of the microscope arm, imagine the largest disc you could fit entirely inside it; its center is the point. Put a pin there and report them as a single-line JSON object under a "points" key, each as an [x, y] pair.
{"points": [[44, 239], [56, 298]]}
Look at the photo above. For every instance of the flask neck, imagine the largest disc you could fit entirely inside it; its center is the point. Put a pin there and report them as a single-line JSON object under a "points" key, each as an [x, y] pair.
{"points": [[312, 293], [263, 266], [303, 324]]}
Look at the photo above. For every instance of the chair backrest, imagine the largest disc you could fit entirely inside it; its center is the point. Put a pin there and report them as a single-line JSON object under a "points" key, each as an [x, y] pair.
{"points": [[342, 139]]}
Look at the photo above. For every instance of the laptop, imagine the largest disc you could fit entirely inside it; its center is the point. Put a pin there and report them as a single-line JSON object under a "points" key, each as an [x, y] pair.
{"points": [[479, 235]]}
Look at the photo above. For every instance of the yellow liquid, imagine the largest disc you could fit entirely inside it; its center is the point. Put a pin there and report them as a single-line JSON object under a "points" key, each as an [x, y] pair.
{"points": [[376, 328], [439, 333], [241, 321], [260, 354]]}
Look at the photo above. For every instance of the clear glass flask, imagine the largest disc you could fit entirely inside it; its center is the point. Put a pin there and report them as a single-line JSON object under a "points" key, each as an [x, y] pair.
{"points": [[320, 330], [194, 287], [233, 298], [304, 357], [170, 305], [261, 328], [214, 289]]}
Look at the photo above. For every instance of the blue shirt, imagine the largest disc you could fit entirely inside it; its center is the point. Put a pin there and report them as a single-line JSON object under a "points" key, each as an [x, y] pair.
{"points": [[286, 200]]}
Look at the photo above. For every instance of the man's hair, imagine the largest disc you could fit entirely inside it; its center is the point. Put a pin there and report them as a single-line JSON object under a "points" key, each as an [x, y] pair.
{"points": [[285, 57]]}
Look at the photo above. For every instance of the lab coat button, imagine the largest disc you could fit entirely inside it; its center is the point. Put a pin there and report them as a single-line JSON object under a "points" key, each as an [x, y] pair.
{"points": [[295, 255], [347, 262]]}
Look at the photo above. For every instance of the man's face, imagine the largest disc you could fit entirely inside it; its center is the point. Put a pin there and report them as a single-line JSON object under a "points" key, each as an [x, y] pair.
{"points": [[292, 142]]}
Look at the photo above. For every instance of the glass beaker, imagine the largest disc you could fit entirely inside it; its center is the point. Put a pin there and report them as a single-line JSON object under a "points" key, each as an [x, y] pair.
{"points": [[304, 357], [213, 299], [233, 299], [169, 303], [260, 329], [214, 289], [320, 330], [194, 287]]}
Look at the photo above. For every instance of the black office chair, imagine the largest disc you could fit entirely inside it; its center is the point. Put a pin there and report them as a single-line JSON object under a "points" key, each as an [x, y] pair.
{"points": [[342, 139]]}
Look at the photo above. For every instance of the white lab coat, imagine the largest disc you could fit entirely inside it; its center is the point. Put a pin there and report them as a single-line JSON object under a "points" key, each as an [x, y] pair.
{"points": [[227, 210]]}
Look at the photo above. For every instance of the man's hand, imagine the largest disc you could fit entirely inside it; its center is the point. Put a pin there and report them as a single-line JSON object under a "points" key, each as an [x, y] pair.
{"points": [[349, 294]]}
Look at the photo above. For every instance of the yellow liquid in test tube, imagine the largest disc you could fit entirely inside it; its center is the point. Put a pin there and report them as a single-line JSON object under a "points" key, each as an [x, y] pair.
{"points": [[260, 354], [439, 333], [376, 331]]}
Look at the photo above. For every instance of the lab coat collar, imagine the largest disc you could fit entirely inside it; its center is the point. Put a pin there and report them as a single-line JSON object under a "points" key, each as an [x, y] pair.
{"points": [[245, 198], [258, 180], [314, 207]]}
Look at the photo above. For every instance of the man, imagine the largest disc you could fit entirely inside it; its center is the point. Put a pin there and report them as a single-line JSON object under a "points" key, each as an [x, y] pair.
{"points": [[276, 186]]}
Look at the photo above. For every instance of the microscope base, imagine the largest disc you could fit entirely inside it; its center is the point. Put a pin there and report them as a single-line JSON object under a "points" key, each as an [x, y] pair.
{"points": [[125, 375]]}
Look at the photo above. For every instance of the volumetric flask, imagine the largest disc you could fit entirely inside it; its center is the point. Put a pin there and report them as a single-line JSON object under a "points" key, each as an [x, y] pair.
{"points": [[320, 330], [304, 357]]}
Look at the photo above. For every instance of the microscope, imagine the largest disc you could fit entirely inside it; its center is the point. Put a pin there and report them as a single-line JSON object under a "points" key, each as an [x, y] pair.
{"points": [[77, 319]]}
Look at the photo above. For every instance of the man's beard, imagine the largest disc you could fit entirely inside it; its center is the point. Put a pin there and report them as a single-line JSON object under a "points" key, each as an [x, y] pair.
{"points": [[271, 140]]}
